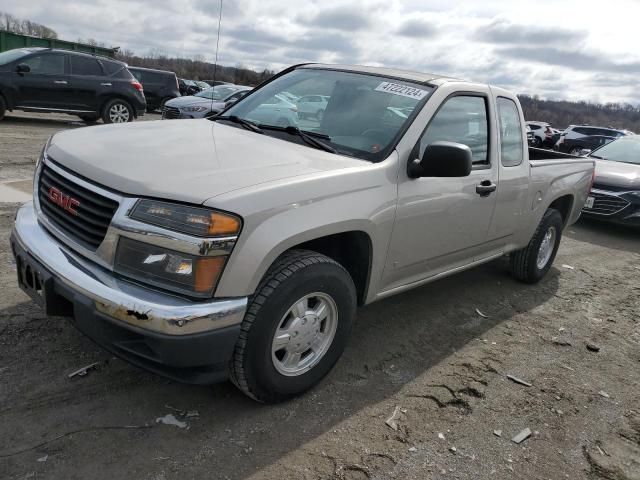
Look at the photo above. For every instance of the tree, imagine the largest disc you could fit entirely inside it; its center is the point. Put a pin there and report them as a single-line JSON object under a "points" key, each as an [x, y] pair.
{"points": [[25, 27]]}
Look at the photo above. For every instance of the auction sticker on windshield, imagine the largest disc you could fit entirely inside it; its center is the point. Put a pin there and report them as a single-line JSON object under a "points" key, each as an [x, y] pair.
{"points": [[403, 90]]}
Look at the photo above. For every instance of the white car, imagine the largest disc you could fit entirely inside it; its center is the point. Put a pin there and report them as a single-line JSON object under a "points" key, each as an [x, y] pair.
{"points": [[277, 110], [312, 106], [542, 132]]}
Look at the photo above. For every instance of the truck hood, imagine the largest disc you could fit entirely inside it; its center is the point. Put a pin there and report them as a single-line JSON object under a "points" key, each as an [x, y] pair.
{"points": [[186, 160], [618, 174]]}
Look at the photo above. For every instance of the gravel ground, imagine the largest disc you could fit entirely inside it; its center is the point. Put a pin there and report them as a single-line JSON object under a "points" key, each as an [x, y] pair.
{"points": [[428, 355]]}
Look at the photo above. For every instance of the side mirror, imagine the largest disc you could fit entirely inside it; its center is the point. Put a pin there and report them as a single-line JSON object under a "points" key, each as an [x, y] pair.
{"points": [[584, 152], [23, 68], [442, 159], [228, 103]]}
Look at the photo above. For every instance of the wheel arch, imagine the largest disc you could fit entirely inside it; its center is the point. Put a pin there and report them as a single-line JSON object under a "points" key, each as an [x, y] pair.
{"points": [[564, 205], [351, 249]]}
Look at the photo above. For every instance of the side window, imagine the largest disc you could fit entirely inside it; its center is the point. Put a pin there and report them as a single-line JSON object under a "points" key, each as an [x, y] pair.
{"points": [[86, 66], [462, 119], [137, 74], [535, 127], [111, 67], [51, 64], [510, 132]]}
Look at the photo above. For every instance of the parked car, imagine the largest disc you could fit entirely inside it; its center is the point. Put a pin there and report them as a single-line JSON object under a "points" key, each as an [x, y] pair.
{"points": [[62, 81], [615, 195], [575, 146], [205, 103], [542, 134], [530, 137], [188, 87], [276, 110], [225, 247], [312, 106], [214, 83], [159, 86], [202, 85], [573, 132]]}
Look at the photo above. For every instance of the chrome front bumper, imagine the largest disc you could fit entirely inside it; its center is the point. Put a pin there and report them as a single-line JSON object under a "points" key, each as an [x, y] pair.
{"points": [[119, 299]]}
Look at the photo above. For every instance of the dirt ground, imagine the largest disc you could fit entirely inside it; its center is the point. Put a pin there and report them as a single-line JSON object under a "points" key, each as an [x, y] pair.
{"points": [[428, 355]]}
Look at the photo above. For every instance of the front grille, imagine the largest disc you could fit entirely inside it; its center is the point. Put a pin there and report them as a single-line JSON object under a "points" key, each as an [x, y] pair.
{"points": [[604, 204], [86, 223], [170, 112]]}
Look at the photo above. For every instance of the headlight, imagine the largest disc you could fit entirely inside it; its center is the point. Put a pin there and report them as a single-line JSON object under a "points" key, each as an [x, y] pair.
{"points": [[160, 267], [198, 221], [194, 109]]}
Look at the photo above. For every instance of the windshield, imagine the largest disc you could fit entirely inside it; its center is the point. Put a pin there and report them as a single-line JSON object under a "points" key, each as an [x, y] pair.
{"points": [[625, 149], [357, 114], [11, 55], [216, 93]]}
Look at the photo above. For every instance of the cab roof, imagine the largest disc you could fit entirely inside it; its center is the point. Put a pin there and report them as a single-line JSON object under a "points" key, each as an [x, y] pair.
{"points": [[409, 75]]}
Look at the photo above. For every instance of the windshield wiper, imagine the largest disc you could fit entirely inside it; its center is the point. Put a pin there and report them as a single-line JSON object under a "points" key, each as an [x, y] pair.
{"points": [[241, 121], [311, 138], [597, 156]]}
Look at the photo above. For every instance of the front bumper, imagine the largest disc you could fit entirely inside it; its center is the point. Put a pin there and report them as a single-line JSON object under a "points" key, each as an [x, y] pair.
{"points": [[184, 340], [617, 207]]}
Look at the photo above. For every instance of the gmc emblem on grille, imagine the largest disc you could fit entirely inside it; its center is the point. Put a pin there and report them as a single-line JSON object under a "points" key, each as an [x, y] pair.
{"points": [[64, 201]]}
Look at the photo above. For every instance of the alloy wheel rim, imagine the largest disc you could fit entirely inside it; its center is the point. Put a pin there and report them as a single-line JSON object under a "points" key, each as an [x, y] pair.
{"points": [[304, 334], [546, 248], [119, 113]]}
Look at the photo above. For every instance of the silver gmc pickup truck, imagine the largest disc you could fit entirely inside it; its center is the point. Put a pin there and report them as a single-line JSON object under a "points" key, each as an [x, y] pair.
{"points": [[241, 246]]}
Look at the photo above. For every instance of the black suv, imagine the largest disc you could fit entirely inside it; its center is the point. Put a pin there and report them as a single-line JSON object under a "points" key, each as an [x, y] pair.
{"points": [[159, 86], [61, 81]]}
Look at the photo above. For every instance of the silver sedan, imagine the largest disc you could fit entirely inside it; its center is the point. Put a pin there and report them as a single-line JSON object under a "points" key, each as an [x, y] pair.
{"points": [[205, 103]]}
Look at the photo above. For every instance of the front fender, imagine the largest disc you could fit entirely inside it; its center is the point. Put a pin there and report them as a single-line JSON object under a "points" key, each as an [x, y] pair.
{"points": [[361, 200]]}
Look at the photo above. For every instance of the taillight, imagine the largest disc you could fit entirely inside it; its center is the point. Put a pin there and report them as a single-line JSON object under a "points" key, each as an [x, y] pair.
{"points": [[137, 85]]}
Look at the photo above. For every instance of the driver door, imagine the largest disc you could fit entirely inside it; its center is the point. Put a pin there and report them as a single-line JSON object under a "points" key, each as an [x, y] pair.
{"points": [[46, 85], [442, 223]]}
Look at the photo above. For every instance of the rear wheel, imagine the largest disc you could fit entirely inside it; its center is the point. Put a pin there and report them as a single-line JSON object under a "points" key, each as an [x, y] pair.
{"points": [[296, 327], [117, 111], [533, 262], [3, 107]]}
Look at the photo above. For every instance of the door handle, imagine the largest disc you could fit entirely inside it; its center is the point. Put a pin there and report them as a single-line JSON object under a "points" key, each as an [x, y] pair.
{"points": [[485, 188], [60, 82], [105, 84]]}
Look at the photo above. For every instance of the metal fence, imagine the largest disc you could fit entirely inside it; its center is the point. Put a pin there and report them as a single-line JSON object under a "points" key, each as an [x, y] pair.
{"points": [[10, 40]]}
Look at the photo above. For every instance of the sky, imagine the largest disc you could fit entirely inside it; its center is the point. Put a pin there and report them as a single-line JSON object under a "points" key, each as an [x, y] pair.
{"points": [[560, 49]]}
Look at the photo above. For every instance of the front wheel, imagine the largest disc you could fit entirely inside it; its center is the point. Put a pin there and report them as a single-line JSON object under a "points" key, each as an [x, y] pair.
{"points": [[532, 263], [117, 111], [296, 327]]}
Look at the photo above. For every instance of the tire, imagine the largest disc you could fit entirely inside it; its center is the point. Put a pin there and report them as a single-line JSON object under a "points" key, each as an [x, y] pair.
{"points": [[529, 265], [257, 367], [537, 143], [117, 111], [3, 107], [575, 151]]}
